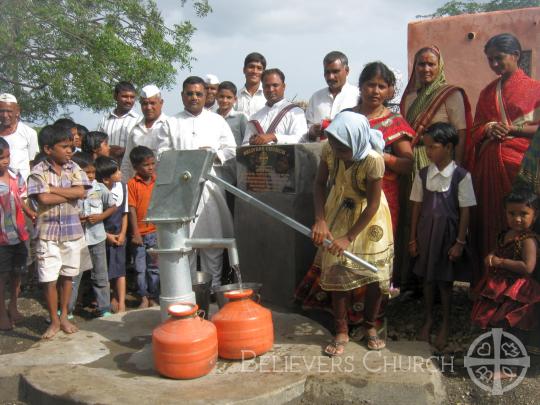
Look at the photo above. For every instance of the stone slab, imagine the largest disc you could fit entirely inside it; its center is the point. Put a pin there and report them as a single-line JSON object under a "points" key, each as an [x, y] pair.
{"points": [[110, 361]]}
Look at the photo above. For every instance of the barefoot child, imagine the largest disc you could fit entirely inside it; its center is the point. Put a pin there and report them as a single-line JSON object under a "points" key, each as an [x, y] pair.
{"points": [[508, 294], [95, 208], [13, 234], [57, 183], [144, 234], [355, 216], [441, 194], [108, 173]]}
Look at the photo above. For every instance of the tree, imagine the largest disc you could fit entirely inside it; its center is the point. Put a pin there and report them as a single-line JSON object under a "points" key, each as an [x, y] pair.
{"points": [[55, 53], [454, 7]]}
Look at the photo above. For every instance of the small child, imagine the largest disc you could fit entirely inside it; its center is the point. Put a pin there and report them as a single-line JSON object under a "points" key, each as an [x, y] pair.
{"points": [[108, 173], [82, 131], [508, 294], [13, 234], [32, 280], [57, 184], [226, 98], [71, 126], [143, 234], [442, 195], [94, 209], [96, 143]]}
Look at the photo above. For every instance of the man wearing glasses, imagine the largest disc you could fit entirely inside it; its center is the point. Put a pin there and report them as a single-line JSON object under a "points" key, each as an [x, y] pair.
{"points": [[198, 128]]}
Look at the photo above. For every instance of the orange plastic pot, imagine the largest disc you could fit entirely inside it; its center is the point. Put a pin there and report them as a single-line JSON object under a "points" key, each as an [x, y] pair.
{"points": [[185, 346], [244, 328]]}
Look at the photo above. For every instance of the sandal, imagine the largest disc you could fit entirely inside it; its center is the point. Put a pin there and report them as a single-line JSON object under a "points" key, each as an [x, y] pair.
{"points": [[336, 348], [375, 342]]}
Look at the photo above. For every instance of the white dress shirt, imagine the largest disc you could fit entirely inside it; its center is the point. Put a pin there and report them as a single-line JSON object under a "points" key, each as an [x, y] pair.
{"points": [[213, 218], [249, 104], [23, 147], [323, 105], [142, 136], [439, 181], [291, 128], [118, 127], [208, 129]]}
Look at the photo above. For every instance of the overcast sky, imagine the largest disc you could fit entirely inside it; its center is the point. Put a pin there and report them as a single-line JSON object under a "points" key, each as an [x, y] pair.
{"points": [[294, 36]]}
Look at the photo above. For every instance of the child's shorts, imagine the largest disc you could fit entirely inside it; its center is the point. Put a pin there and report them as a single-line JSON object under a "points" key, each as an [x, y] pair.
{"points": [[13, 258], [58, 258], [116, 260]]}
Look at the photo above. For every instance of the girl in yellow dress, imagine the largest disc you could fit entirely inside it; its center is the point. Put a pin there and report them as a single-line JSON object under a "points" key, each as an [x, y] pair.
{"points": [[356, 218]]}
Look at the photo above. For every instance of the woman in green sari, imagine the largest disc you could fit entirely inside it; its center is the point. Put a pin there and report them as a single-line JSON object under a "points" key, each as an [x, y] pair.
{"points": [[428, 99]]}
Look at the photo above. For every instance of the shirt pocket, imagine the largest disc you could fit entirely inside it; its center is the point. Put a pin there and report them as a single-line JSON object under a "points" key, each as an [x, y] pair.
{"points": [[95, 206]]}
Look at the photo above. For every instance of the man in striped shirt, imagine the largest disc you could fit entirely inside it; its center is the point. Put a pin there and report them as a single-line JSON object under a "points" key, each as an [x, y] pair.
{"points": [[118, 123]]}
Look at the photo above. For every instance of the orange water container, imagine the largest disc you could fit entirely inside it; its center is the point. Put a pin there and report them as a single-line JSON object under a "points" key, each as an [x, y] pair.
{"points": [[244, 328], [185, 346]]}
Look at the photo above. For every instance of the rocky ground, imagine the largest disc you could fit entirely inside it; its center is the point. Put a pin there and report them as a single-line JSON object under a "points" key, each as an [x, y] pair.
{"points": [[404, 318]]}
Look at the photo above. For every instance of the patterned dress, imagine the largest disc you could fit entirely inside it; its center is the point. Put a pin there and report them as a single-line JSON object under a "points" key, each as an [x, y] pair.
{"points": [[346, 201], [507, 299]]}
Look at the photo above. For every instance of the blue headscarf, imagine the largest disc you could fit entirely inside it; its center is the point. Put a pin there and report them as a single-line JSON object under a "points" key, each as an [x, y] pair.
{"points": [[353, 130]]}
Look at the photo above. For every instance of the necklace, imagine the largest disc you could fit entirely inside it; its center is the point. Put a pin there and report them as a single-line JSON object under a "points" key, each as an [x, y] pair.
{"points": [[378, 113]]}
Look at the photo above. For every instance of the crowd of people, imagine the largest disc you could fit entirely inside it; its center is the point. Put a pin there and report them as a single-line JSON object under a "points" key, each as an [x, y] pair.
{"points": [[427, 188]]}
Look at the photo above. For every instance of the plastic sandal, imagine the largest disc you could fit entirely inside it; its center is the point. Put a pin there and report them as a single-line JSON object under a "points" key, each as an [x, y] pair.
{"points": [[375, 343], [336, 348]]}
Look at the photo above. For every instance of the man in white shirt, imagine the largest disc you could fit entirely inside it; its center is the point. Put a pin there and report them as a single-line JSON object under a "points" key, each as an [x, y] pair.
{"points": [[150, 129], [118, 123], [22, 140], [198, 128], [279, 121], [325, 103], [251, 98], [211, 84]]}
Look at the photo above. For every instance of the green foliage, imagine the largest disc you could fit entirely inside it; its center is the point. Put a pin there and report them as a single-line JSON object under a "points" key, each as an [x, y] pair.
{"points": [[54, 53], [454, 7]]}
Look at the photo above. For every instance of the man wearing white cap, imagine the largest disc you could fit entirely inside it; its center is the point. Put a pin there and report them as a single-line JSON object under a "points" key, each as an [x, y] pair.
{"points": [[198, 128], [22, 139], [211, 84], [150, 128]]}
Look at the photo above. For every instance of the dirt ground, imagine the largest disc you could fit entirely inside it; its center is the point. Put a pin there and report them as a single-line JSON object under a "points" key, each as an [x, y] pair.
{"points": [[404, 318]]}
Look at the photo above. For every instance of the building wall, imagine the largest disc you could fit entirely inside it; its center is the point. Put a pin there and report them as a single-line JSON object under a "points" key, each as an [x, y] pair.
{"points": [[462, 39]]}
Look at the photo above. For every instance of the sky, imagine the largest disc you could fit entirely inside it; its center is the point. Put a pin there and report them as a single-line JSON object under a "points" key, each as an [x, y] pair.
{"points": [[293, 35]]}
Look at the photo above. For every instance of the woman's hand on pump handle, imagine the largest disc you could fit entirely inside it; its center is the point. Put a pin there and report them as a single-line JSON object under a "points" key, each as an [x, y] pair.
{"points": [[320, 232]]}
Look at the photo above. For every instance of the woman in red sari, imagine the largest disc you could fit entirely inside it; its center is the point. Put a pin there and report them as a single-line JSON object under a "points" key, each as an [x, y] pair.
{"points": [[376, 88], [507, 116], [376, 85]]}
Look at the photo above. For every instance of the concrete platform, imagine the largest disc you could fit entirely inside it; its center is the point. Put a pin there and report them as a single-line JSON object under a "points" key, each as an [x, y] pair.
{"points": [[110, 362]]}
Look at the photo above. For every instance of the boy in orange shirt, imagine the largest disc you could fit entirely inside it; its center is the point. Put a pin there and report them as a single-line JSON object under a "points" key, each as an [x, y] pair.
{"points": [[143, 234]]}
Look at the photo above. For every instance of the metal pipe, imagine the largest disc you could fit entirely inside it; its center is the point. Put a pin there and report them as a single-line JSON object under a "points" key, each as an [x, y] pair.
{"points": [[304, 230], [209, 243], [173, 265]]}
